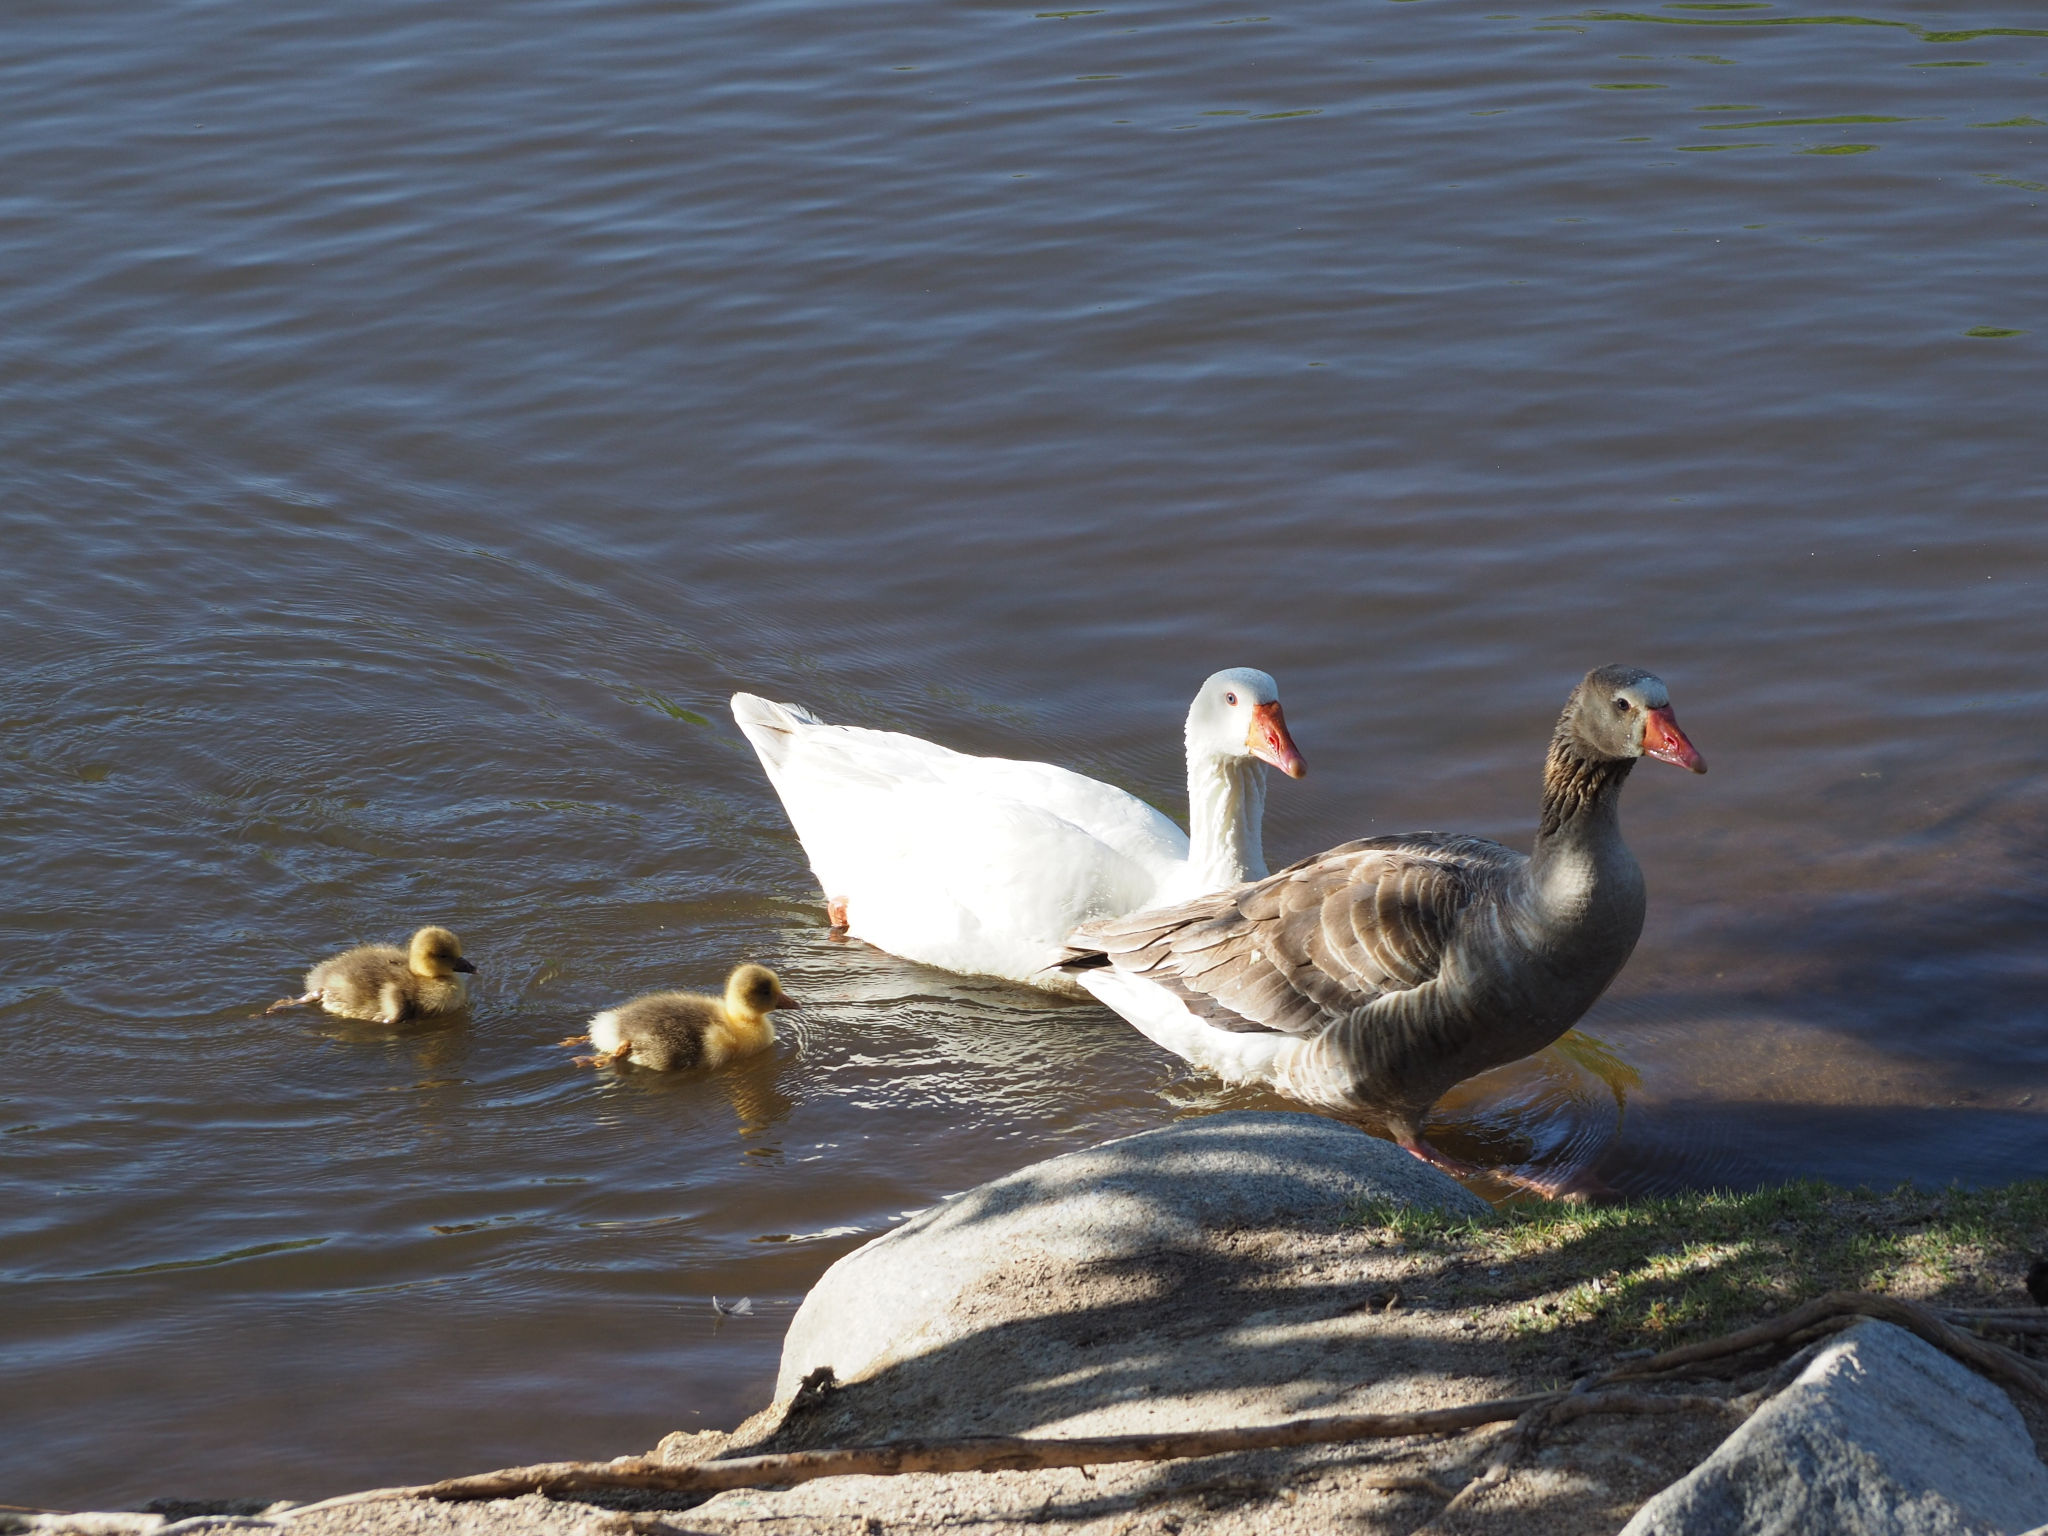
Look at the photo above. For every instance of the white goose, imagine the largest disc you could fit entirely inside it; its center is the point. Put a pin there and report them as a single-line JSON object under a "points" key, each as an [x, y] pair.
{"points": [[984, 865]]}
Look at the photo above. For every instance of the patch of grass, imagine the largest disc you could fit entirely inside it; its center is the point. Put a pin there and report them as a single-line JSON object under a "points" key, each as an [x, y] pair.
{"points": [[1659, 1272]]}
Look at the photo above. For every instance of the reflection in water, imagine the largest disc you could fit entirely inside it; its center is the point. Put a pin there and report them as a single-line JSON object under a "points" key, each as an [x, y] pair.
{"points": [[1555, 1114], [760, 1105]]}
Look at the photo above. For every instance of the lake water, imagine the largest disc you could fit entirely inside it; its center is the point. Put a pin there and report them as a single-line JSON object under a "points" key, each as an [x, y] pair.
{"points": [[416, 420]]}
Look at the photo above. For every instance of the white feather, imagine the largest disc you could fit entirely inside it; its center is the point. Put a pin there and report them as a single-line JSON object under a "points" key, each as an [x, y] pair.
{"points": [[1253, 1056]]}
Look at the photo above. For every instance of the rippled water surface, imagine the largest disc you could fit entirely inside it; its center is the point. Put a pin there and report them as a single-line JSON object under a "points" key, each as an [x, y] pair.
{"points": [[415, 421]]}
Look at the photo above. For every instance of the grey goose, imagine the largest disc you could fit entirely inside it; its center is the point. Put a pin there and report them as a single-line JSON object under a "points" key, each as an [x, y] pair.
{"points": [[1377, 975]]}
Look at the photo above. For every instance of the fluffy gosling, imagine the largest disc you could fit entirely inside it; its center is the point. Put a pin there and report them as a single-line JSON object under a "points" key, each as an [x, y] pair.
{"points": [[669, 1031], [388, 985]]}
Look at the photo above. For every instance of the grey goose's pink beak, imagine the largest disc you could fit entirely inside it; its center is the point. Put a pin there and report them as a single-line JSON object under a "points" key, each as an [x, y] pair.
{"points": [[1269, 742], [1663, 740]]}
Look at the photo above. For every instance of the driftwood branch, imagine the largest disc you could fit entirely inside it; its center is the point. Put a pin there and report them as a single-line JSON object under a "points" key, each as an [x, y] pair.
{"points": [[993, 1454], [1583, 1403], [1992, 1359], [1530, 1415], [2033, 1321], [1562, 1409]]}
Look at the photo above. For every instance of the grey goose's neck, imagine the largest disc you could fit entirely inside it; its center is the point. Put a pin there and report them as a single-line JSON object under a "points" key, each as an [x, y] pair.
{"points": [[1580, 871], [1580, 794], [1226, 812]]}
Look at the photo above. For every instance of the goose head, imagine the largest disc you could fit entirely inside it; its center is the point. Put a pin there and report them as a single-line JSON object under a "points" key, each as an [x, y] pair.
{"points": [[1624, 712], [436, 952], [1237, 715], [754, 990]]}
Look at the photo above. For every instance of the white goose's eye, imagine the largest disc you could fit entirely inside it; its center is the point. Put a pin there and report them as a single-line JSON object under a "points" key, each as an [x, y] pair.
{"points": [[1230, 698]]}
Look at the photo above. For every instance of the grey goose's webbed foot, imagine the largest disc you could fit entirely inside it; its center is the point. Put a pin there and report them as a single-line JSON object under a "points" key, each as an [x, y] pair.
{"points": [[1413, 1144], [1576, 1186]]}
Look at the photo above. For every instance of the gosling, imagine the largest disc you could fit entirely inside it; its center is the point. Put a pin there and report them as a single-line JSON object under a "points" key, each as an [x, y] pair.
{"points": [[388, 985], [670, 1031]]}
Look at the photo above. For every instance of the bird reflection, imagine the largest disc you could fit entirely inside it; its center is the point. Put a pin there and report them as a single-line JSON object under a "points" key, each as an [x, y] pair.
{"points": [[751, 1089], [1548, 1112], [435, 1048]]}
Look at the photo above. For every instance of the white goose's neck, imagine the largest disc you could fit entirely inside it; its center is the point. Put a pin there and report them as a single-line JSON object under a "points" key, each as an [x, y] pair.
{"points": [[1226, 811]]}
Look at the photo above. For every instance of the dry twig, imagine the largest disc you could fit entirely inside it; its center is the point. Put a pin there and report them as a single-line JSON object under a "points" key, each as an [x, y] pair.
{"points": [[1530, 1415], [1992, 1359], [993, 1454], [2001, 1322]]}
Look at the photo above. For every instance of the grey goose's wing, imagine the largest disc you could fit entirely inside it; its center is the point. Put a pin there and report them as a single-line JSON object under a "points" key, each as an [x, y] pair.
{"points": [[1301, 949]]}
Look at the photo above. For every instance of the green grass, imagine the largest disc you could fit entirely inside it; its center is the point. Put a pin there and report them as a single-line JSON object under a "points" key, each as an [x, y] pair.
{"points": [[1663, 1271]]}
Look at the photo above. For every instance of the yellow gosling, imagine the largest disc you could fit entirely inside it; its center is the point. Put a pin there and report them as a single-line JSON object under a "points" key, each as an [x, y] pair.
{"points": [[388, 985], [670, 1031]]}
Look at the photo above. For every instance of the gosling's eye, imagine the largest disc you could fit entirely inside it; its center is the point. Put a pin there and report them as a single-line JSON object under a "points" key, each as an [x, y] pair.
{"points": [[1621, 705], [1230, 698]]}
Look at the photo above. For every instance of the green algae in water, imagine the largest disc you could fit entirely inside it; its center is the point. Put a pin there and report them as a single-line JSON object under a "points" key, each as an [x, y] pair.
{"points": [[1805, 122], [233, 1256], [1924, 34], [1992, 332], [666, 705]]}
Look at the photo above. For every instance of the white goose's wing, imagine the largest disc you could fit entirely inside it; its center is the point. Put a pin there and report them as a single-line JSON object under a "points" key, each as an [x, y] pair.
{"points": [[1295, 952], [976, 864]]}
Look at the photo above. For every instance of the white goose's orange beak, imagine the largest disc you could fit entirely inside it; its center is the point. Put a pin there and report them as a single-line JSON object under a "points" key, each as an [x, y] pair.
{"points": [[1663, 740], [1269, 742]]}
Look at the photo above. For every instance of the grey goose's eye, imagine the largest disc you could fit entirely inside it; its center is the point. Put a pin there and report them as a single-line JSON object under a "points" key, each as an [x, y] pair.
{"points": [[1621, 705], [1230, 698]]}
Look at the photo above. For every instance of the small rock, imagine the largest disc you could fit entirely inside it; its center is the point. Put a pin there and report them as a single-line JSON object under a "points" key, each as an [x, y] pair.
{"points": [[1880, 1435]]}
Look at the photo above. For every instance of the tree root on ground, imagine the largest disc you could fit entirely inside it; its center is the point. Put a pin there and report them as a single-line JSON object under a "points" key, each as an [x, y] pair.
{"points": [[1530, 1416]]}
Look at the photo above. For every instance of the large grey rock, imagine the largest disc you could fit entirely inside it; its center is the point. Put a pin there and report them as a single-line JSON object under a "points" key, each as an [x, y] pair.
{"points": [[1165, 1193], [1881, 1435]]}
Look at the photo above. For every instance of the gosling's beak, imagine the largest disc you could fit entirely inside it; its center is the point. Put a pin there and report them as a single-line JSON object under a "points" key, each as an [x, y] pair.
{"points": [[1663, 740], [1269, 742], [460, 964], [783, 1000]]}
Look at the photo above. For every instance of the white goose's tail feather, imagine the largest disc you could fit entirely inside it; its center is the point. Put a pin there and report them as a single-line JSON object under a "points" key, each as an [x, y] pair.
{"points": [[770, 726]]}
